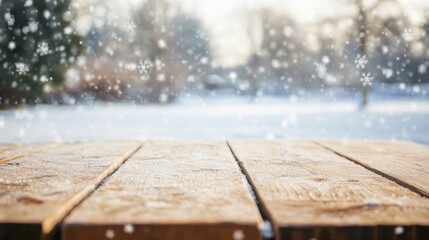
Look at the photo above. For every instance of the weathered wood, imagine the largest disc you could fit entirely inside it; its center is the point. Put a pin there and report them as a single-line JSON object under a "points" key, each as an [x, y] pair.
{"points": [[9, 152], [404, 162], [38, 191], [7, 147], [170, 190], [310, 192]]}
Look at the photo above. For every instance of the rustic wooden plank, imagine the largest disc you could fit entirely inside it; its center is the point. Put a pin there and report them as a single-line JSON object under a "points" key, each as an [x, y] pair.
{"points": [[404, 162], [310, 192], [7, 146], [170, 190], [9, 152], [39, 190]]}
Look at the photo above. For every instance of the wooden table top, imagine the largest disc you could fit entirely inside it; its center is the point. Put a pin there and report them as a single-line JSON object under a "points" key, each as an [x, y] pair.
{"points": [[213, 189]]}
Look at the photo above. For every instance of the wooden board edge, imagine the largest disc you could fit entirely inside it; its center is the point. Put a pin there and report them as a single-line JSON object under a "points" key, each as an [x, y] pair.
{"points": [[19, 231], [49, 224], [399, 181], [32, 151], [382, 232], [184, 231]]}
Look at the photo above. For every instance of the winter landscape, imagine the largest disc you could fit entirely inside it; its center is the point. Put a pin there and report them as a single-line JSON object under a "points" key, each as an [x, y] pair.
{"points": [[87, 70]]}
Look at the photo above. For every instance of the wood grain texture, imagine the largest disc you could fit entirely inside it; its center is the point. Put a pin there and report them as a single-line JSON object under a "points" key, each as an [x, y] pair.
{"points": [[170, 190], [404, 162], [7, 146], [310, 192], [9, 152], [38, 191]]}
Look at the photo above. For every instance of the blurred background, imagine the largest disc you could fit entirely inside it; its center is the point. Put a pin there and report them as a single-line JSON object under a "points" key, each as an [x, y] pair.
{"points": [[108, 69]]}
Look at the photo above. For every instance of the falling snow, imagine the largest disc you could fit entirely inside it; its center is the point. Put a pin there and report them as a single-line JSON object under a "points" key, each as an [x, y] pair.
{"points": [[42, 49], [422, 69], [128, 228], [11, 45], [238, 235], [130, 26], [361, 61], [162, 44], [366, 79], [387, 72], [33, 26], [321, 70], [21, 68], [135, 56], [144, 67], [399, 230], [10, 19], [407, 34], [28, 3], [110, 234]]}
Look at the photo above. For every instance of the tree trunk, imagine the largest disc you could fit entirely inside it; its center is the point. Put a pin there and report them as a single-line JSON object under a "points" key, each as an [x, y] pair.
{"points": [[362, 25]]}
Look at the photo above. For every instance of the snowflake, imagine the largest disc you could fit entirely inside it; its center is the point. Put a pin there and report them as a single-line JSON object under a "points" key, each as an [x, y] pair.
{"points": [[422, 69], [321, 70], [28, 3], [407, 34], [130, 27], [361, 61], [12, 45], [25, 29], [144, 67], [128, 228], [238, 235], [399, 230], [387, 72], [110, 234], [42, 48], [162, 44], [33, 26], [367, 79], [22, 68], [10, 19]]}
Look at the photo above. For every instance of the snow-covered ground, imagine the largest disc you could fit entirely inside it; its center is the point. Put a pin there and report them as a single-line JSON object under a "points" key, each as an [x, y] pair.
{"points": [[233, 117]]}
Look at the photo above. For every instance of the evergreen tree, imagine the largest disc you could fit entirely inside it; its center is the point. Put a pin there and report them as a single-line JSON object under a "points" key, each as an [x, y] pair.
{"points": [[37, 44]]}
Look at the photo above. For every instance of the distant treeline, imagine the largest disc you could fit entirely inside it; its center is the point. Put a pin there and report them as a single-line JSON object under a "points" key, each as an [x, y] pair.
{"points": [[162, 52]]}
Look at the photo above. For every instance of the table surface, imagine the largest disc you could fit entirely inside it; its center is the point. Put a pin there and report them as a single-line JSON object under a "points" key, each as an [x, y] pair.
{"points": [[214, 189]]}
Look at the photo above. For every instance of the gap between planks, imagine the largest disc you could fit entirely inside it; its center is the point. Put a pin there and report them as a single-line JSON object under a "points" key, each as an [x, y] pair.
{"points": [[40, 222], [397, 180], [267, 230], [308, 202], [185, 189], [49, 223]]}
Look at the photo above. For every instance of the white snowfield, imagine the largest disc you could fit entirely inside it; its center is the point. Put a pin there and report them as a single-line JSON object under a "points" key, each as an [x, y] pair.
{"points": [[269, 118]]}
